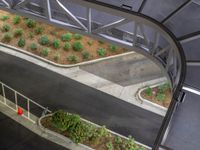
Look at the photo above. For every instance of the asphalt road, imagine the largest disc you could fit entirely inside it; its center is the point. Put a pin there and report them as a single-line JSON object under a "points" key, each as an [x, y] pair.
{"points": [[58, 92], [14, 136]]}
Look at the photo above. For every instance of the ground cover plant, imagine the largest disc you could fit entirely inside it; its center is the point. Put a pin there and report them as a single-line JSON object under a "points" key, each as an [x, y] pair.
{"points": [[80, 131], [64, 47]]}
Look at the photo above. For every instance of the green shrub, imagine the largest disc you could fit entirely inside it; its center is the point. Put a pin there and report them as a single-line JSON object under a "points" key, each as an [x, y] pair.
{"points": [[33, 46], [30, 23], [56, 43], [30, 35], [72, 58], [18, 32], [21, 42], [7, 37], [130, 144], [113, 48], [162, 88], [101, 52], [4, 18], [5, 28], [44, 40], [118, 140], [65, 121], [148, 91], [56, 57], [99, 133], [39, 30], [77, 46], [160, 96], [109, 145], [77, 36], [90, 43], [66, 37], [45, 52], [101, 42], [16, 20], [66, 46], [86, 55]]}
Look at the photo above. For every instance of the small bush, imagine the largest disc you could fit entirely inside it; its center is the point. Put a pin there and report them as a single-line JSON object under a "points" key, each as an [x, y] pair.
{"points": [[5, 28], [65, 121], [118, 140], [78, 37], [90, 43], [160, 96], [39, 30], [30, 23], [21, 42], [113, 48], [33, 46], [44, 40], [30, 35], [16, 20], [7, 37], [77, 46], [67, 46], [109, 146], [18, 32], [4, 18], [162, 88], [56, 57], [72, 58], [86, 55], [56, 43], [101, 42], [66, 37], [101, 52], [148, 91], [99, 133], [45, 52]]}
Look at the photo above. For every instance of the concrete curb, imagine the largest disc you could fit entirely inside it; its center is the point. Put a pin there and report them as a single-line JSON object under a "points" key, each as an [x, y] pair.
{"points": [[60, 65], [148, 102], [81, 146]]}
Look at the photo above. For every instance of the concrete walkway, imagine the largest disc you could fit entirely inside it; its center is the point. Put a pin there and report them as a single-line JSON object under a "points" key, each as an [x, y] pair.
{"points": [[59, 92]]}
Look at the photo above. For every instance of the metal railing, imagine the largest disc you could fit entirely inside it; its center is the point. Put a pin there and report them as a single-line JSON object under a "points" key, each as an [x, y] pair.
{"points": [[15, 100]]}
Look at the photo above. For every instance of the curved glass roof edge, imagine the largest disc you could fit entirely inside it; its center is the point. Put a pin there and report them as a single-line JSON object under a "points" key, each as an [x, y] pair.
{"points": [[171, 57]]}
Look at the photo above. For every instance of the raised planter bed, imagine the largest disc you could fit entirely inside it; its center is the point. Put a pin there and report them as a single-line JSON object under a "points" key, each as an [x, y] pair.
{"points": [[90, 135], [51, 43], [159, 95]]}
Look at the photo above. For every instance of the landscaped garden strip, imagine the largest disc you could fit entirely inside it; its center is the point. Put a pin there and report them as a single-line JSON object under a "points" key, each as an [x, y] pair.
{"points": [[55, 44], [79, 131]]}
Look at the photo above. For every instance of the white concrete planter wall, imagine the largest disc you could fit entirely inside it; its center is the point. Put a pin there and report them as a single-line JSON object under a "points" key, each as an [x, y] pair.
{"points": [[60, 65], [79, 146], [161, 108]]}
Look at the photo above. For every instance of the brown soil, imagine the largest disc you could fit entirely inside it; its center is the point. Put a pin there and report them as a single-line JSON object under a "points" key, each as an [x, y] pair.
{"points": [[165, 103], [50, 31], [46, 122]]}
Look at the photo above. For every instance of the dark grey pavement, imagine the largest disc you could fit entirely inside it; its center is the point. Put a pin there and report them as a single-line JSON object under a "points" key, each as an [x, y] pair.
{"points": [[14, 136], [184, 133], [58, 92]]}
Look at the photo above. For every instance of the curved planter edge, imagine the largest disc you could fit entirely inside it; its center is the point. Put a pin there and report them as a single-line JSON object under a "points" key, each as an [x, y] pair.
{"points": [[79, 146], [60, 65], [149, 102]]}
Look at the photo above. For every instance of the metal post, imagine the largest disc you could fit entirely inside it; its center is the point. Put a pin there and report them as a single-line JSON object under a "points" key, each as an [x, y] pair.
{"points": [[4, 96], [28, 108], [89, 17], [16, 103]]}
